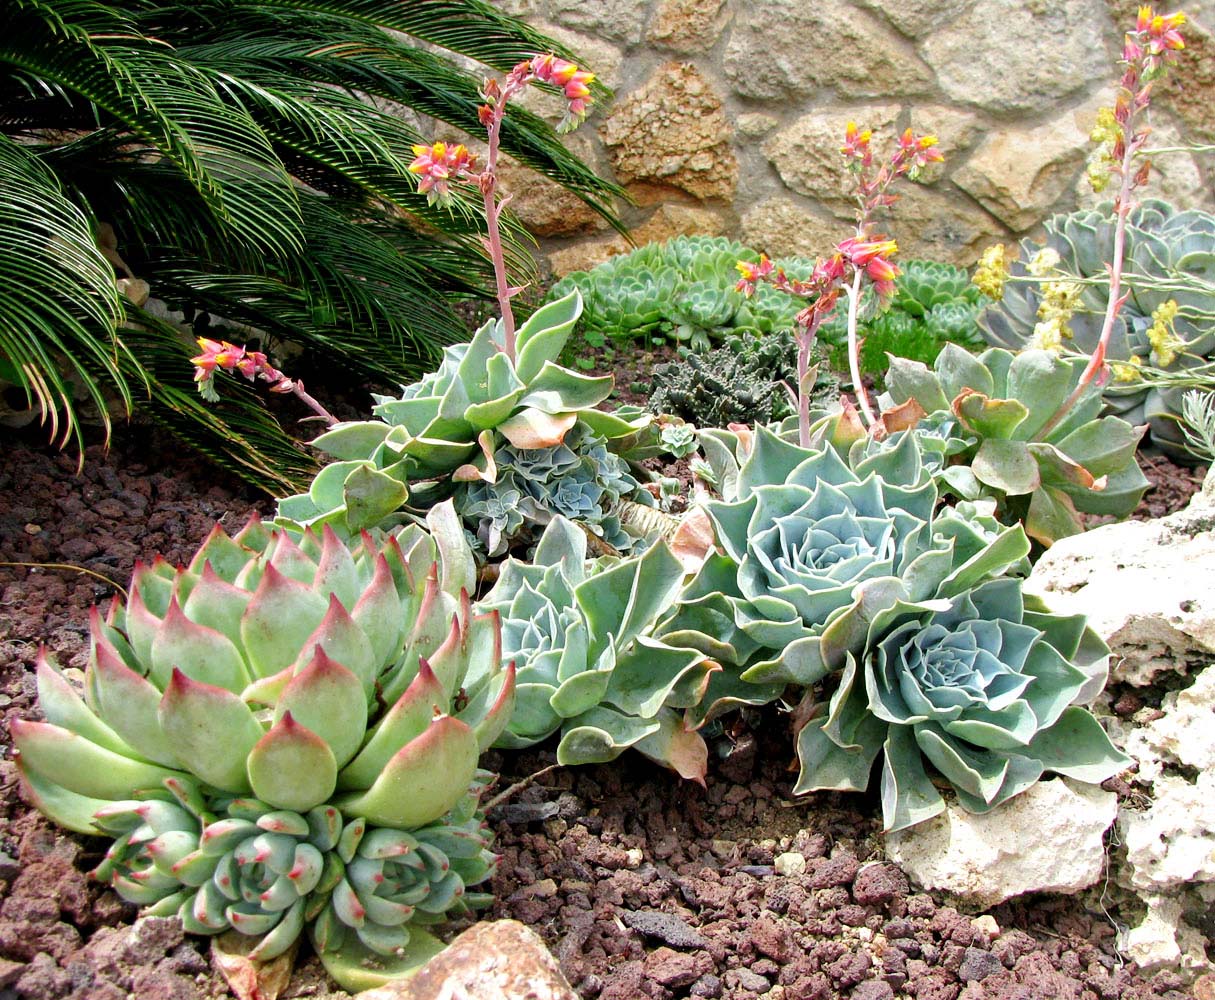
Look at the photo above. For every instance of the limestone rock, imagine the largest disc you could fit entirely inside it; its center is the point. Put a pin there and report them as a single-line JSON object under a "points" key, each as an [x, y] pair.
{"points": [[1163, 939], [780, 227], [788, 48], [620, 20], [1148, 588], [916, 18], [806, 153], [1007, 55], [1018, 174], [755, 124], [927, 222], [545, 207], [687, 26], [666, 222], [492, 960], [956, 132], [673, 133], [1047, 839]]}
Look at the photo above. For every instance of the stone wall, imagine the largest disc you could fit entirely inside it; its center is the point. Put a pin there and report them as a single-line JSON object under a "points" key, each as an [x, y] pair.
{"points": [[729, 114]]}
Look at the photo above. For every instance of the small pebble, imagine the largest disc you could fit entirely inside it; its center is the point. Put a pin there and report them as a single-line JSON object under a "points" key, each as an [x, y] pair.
{"points": [[789, 863], [986, 926]]}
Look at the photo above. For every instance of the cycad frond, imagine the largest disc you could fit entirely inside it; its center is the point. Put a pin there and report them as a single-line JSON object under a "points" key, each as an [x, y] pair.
{"points": [[58, 300]]}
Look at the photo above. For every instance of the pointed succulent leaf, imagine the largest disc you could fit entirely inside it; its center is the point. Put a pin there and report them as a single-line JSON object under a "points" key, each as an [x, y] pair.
{"points": [[216, 603], [331, 701], [343, 642], [201, 653], [422, 780], [292, 767], [281, 615], [130, 703], [210, 729]]}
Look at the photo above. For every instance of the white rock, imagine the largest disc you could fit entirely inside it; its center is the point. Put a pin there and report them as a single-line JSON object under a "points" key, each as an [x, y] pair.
{"points": [[1154, 942], [1047, 839], [789, 863], [1148, 588]]}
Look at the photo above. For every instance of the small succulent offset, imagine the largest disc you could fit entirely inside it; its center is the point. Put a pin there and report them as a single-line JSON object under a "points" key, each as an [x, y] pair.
{"points": [[979, 689], [582, 636], [1008, 445], [283, 736], [579, 479], [1165, 323], [682, 290]]}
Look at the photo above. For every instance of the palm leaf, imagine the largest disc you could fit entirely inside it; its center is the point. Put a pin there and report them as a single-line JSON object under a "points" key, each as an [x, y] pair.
{"points": [[59, 305]]}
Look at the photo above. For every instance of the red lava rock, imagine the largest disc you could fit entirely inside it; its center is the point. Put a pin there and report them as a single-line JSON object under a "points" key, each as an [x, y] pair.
{"points": [[674, 969], [876, 885], [840, 869], [771, 937], [977, 965], [850, 969], [873, 989], [43, 979]]}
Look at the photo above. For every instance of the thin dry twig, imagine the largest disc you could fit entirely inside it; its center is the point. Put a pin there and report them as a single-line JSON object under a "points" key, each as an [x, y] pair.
{"points": [[518, 786], [77, 569]]}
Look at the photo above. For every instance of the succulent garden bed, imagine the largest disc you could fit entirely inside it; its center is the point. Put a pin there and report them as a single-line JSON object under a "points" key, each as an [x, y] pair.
{"points": [[642, 884]]}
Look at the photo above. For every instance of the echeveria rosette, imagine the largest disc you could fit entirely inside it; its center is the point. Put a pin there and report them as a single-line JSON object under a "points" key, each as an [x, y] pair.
{"points": [[1083, 465], [256, 698], [445, 429], [589, 667], [981, 690]]}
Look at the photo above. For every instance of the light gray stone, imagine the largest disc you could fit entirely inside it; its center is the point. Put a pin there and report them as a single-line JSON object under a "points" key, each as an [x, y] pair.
{"points": [[781, 227], [1018, 174], [619, 20], [806, 153], [789, 48], [492, 960], [1047, 839], [1007, 55], [1147, 587], [929, 222], [916, 18]]}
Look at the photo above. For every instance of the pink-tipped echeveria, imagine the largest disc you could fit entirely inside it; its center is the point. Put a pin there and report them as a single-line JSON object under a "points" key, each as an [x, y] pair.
{"points": [[979, 692], [589, 666], [250, 720]]}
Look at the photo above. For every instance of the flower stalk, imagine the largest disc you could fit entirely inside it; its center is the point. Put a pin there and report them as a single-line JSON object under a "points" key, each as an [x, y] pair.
{"points": [[220, 355], [438, 165], [1146, 53]]}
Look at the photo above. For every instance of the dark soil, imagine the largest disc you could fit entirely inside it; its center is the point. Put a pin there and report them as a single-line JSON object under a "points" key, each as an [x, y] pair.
{"points": [[644, 886]]}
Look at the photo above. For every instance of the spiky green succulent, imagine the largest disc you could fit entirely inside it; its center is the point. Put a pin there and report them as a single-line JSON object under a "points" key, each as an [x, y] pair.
{"points": [[445, 429], [1003, 444], [978, 690], [1169, 254], [582, 636], [249, 719], [681, 290]]}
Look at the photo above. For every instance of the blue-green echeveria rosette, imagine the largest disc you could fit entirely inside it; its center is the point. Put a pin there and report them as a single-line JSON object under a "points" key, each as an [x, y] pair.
{"points": [[581, 635], [980, 692]]}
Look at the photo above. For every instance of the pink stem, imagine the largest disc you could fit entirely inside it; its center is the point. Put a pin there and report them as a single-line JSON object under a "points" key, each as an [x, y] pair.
{"points": [[1114, 303], [804, 339], [313, 405], [489, 186]]}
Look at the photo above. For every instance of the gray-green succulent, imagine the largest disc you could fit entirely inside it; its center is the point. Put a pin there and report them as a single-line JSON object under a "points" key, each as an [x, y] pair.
{"points": [[1170, 255], [980, 689], [446, 429], [581, 635], [1003, 444], [253, 723]]}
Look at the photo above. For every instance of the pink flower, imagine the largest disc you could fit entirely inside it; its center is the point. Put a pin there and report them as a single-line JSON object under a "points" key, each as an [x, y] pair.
{"points": [[918, 151], [437, 166], [872, 256], [752, 274], [856, 144], [574, 83]]}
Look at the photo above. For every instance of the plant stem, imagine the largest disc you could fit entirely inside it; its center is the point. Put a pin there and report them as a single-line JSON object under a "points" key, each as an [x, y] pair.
{"points": [[313, 405], [1114, 302], [489, 192], [854, 348]]}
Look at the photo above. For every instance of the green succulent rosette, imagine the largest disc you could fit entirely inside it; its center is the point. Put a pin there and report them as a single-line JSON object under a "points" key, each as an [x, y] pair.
{"points": [[445, 429], [977, 692], [589, 666], [1004, 447], [239, 714], [804, 534]]}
